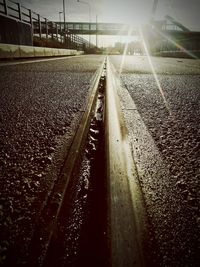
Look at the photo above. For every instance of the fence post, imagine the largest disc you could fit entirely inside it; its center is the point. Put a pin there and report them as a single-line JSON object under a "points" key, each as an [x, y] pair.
{"points": [[68, 40], [30, 16], [39, 26], [57, 31], [71, 40], [5, 7], [76, 42], [52, 29], [31, 22], [72, 36], [74, 46], [19, 11], [46, 26]]}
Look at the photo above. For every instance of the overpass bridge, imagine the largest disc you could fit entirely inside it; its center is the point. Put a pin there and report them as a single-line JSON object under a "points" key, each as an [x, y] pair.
{"points": [[99, 28], [165, 35], [21, 26]]}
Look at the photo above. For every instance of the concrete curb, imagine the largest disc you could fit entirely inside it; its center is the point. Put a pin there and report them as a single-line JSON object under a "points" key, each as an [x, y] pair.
{"points": [[195, 54], [22, 51], [124, 229]]}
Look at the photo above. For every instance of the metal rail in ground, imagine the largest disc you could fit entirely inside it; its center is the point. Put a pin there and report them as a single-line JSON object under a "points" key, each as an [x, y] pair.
{"points": [[125, 205], [47, 226], [113, 210]]}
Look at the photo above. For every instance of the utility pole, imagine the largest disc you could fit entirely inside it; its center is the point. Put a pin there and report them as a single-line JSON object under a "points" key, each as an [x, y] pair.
{"points": [[64, 21], [96, 31], [88, 4], [155, 4], [60, 25]]}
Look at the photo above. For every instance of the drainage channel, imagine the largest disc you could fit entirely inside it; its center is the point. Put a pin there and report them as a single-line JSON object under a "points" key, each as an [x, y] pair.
{"points": [[93, 216], [72, 229], [81, 234]]}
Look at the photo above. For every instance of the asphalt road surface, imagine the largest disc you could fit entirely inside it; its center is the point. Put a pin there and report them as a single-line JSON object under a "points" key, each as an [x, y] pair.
{"points": [[41, 105], [161, 105]]}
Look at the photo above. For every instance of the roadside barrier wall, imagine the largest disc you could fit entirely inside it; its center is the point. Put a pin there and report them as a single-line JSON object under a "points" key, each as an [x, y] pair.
{"points": [[22, 51]]}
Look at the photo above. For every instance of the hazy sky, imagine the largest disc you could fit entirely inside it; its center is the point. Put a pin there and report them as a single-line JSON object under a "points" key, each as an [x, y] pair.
{"points": [[125, 11], [185, 11]]}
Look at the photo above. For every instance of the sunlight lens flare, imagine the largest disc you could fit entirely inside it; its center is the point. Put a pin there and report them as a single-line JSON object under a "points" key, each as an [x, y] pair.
{"points": [[153, 71], [176, 44], [130, 30]]}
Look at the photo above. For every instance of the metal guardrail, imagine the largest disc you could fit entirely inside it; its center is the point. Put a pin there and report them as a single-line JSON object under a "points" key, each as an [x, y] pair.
{"points": [[43, 28]]}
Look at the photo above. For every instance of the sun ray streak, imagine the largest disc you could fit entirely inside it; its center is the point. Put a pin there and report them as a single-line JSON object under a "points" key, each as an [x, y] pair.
{"points": [[154, 72], [125, 50], [176, 44]]}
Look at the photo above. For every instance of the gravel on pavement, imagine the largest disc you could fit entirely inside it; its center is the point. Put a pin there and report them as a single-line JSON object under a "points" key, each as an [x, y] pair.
{"points": [[41, 105]]}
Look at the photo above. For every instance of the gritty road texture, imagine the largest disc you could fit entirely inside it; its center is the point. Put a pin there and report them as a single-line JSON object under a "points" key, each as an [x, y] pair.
{"points": [[165, 138], [40, 108]]}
